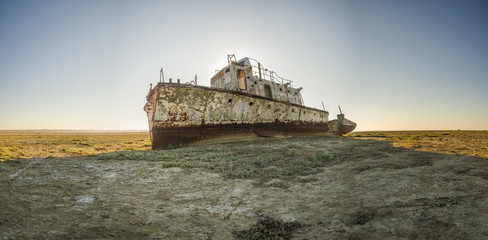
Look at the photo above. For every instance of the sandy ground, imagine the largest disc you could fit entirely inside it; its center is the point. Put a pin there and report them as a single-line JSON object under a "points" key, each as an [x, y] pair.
{"points": [[372, 190]]}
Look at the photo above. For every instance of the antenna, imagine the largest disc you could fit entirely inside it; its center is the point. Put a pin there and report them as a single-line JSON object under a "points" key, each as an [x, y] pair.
{"points": [[231, 58], [323, 105], [161, 75], [340, 108]]}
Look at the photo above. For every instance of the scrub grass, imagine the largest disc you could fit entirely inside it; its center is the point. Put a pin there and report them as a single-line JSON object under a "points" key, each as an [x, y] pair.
{"points": [[472, 143], [42, 144], [234, 161], [269, 228]]}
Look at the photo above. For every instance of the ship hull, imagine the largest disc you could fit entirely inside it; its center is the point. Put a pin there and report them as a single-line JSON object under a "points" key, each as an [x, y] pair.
{"points": [[176, 136], [180, 114]]}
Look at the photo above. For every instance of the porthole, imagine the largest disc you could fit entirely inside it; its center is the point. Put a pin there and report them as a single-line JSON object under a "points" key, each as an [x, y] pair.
{"points": [[230, 100], [250, 104]]}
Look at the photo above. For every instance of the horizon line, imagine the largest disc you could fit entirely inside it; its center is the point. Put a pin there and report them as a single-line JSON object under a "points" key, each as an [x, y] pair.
{"points": [[145, 130]]}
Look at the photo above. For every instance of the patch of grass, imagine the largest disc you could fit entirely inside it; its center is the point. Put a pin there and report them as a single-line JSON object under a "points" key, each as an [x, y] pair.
{"points": [[413, 138], [294, 145], [364, 215], [14, 152], [321, 157], [269, 228], [99, 148], [261, 163], [170, 147], [293, 152], [325, 156]]}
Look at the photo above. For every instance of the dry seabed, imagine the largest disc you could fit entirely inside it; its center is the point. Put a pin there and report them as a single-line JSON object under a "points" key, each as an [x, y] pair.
{"points": [[369, 189]]}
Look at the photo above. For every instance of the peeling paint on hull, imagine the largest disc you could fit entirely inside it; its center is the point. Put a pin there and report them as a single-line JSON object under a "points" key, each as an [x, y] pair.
{"points": [[179, 114]]}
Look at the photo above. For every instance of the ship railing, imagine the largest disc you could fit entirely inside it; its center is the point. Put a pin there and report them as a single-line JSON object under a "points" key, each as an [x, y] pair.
{"points": [[265, 74]]}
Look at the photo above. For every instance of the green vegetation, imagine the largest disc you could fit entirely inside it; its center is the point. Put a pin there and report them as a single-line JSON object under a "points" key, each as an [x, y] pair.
{"points": [[293, 152], [235, 161], [11, 152], [322, 156], [170, 146]]}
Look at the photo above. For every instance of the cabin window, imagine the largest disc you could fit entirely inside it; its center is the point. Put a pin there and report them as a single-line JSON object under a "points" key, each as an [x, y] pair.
{"points": [[267, 91], [241, 78]]}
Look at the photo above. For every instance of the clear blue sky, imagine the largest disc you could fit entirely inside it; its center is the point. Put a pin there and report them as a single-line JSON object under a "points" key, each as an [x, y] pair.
{"points": [[390, 64]]}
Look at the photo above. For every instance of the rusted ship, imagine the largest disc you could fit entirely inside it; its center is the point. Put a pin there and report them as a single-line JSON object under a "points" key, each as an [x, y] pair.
{"points": [[244, 99]]}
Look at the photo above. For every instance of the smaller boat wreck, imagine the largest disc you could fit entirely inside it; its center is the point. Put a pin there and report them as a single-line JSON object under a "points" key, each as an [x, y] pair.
{"points": [[244, 99]]}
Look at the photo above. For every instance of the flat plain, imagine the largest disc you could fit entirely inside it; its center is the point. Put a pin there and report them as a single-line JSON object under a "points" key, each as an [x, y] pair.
{"points": [[42, 144], [367, 185]]}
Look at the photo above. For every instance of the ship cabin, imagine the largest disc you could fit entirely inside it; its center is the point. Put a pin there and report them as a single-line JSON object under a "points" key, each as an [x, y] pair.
{"points": [[249, 76]]}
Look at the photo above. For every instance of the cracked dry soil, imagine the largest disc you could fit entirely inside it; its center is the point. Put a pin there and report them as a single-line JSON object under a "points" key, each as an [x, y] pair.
{"points": [[370, 190]]}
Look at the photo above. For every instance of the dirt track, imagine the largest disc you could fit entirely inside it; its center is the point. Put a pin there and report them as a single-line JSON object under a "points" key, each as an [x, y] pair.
{"points": [[370, 191]]}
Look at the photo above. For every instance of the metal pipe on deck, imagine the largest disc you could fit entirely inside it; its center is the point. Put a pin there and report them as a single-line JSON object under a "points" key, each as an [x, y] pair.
{"points": [[161, 75], [259, 67]]}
